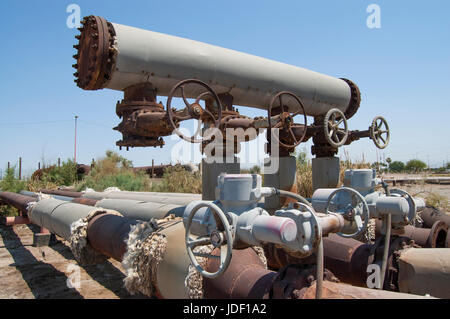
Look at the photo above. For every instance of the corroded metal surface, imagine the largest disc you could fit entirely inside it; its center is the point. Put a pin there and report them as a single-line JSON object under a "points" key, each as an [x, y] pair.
{"points": [[425, 271], [107, 234], [245, 277], [61, 192], [96, 53], [85, 201], [431, 214], [434, 237], [333, 290], [16, 200]]}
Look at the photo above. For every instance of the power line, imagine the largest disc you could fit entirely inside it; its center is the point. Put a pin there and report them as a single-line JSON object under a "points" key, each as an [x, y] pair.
{"points": [[35, 123]]}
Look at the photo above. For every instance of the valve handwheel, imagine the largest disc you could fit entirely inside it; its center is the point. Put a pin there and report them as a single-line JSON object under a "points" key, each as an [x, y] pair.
{"points": [[357, 209], [377, 130], [335, 128], [218, 238], [193, 110], [286, 119]]}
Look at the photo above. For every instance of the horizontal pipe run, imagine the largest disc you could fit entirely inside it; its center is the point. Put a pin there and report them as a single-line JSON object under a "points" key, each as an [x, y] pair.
{"points": [[133, 56], [431, 214], [246, 277], [36, 195], [331, 223], [85, 201], [107, 233], [164, 198], [18, 201], [141, 210], [425, 271], [332, 290], [17, 220], [61, 192], [434, 237]]}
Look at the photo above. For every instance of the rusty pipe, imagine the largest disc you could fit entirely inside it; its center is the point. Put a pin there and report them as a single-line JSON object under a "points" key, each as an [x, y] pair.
{"points": [[17, 220], [431, 214], [61, 192], [85, 201], [434, 237], [425, 271], [246, 278], [107, 233], [18, 201], [347, 258], [333, 290]]}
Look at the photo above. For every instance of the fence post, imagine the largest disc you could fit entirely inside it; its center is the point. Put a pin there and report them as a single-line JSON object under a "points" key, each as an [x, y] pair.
{"points": [[153, 168], [20, 168]]}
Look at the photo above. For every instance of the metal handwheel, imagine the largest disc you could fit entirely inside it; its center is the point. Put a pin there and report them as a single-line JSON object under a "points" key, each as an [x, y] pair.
{"points": [[286, 119], [377, 131], [193, 110], [354, 212], [217, 238], [334, 134]]}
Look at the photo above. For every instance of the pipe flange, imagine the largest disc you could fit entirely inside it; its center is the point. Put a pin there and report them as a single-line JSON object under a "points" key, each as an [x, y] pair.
{"points": [[355, 99], [96, 56]]}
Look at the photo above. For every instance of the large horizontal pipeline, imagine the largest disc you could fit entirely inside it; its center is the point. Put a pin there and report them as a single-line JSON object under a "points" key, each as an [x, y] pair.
{"points": [[136, 209], [61, 192], [425, 271], [20, 202], [131, 55], [108, 233], [163, 198], [434, 237], [156, 197], [36, 195], [250, 279], [57, 216], [348, 259], [431, 214]]}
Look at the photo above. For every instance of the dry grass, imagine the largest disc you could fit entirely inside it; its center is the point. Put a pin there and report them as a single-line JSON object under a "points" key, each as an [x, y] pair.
{"points": [[438, 201], [177, 179]]}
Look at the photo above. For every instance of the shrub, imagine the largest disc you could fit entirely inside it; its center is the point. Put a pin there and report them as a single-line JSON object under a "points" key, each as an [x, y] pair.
{"points": [[114, 171], [177, 179], [396, 166], [415, 165], [10, 183]]}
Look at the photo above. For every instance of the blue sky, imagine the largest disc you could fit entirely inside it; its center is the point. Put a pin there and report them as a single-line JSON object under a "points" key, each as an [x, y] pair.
{"points": [[402, 69]]}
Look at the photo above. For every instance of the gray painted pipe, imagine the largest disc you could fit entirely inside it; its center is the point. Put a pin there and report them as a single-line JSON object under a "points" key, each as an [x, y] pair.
{"points": [[163, 198], [141, 210], [57, 215], [164, 60], [35, 195]]}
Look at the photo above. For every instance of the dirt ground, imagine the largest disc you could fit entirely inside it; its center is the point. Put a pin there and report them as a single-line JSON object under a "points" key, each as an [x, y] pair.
{"points": [[44, 272], [421, 189]]}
